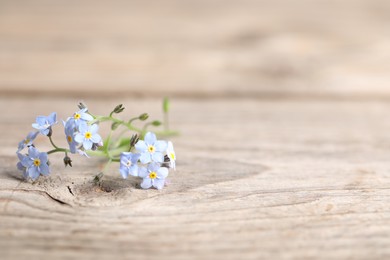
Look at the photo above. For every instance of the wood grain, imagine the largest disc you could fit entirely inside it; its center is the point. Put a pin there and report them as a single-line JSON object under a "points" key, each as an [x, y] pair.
{"points": [[192, 48], [272, 180]]}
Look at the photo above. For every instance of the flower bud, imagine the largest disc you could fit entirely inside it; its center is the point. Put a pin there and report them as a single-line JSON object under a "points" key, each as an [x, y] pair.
{"points": [[156, 123], [81, 105], [118, 109], [134, 139], [143, 117], [67, 161]]}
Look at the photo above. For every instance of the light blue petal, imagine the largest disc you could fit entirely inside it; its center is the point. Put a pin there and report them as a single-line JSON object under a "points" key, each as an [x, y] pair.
{"points": [[142, 172], [33, 152], [82, 127], [43, 157], [159, 183], [145, 158], [161, 146], [86, 117], [33, 173], [153, 167], [52, 118], [146, 183], [44, 169], [135, 157], [96, 138], [158, 157], [87, 144], [94, 128], [45, 131], [150, 138], [124, 173], [162, 173], [141, 146], [79, 138], [20, 166], [41, 120], [133, 170]]}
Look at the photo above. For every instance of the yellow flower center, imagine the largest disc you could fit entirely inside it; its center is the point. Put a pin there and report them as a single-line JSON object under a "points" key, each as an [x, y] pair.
{"points": [[88, 135], [172, 156], [26, 141], [77, 116], [153, 175], [151, 149], [37, 162], [69, 138]]}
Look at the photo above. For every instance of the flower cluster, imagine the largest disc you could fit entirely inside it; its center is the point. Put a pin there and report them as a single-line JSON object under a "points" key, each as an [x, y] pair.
{"points": [[150, 154], [151, 159]]}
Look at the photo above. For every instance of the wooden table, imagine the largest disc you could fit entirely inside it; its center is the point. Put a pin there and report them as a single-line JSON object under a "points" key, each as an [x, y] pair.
{"points": [[283, 114]]}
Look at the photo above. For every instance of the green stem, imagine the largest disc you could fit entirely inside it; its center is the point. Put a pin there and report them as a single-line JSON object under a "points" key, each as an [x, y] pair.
{"points": [[58, 150], [52, 143]]}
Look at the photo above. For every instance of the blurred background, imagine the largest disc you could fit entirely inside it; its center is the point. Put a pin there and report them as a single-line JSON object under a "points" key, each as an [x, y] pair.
{"points": [[195, 48]]}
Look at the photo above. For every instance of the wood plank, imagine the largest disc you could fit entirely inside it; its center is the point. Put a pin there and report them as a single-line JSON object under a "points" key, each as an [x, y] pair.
{"points": [[269, 179], [195, 47]]}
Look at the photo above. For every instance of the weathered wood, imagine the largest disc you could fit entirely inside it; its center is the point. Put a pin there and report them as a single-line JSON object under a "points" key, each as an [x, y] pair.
{"points": [[286, 179], [195, 47]]}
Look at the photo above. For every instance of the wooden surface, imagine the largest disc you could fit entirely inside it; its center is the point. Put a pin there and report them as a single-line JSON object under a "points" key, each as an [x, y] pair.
{"points": [[284, 119]]}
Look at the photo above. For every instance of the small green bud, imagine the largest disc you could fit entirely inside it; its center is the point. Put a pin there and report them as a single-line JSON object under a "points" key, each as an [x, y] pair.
{"points": [[143, 116], [156, 123], [115, 125], [118, 109], [98, 177], [166, 105]]}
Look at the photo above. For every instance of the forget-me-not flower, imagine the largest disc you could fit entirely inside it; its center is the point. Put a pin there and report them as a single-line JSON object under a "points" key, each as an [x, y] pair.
{"points": [[153, 175], [35, 163], [44, 123], [88, 136], [27, 141], [81, 117], [23, 160], [151, 149], [171, 155], [128, 164], [69, 127]]}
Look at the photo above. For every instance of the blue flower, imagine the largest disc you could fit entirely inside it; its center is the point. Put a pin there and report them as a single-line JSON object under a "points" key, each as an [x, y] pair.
{"points": [[88, 136], [33, 164], [171, 155], [27, 141], [44, 123], [153, 175], [70, 134], [151, 149], [128, 164], [81, 117], [23, 164]]}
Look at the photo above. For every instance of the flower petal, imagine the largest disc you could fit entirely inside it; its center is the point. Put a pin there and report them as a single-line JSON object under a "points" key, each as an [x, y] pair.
{"points": [[159, 183], [87, 144], [86, 117], [41, 120], [96, 138], [79, 138], [150, 138], [162, 173], [43, 157], [94, 128], [124, 172], [44, 169], [141, 146], [33, 173], [145, 158], [33, 152], [146, 183], [142, 172], [158, 157], [161, 146], [133, 170], [52, 118]]}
